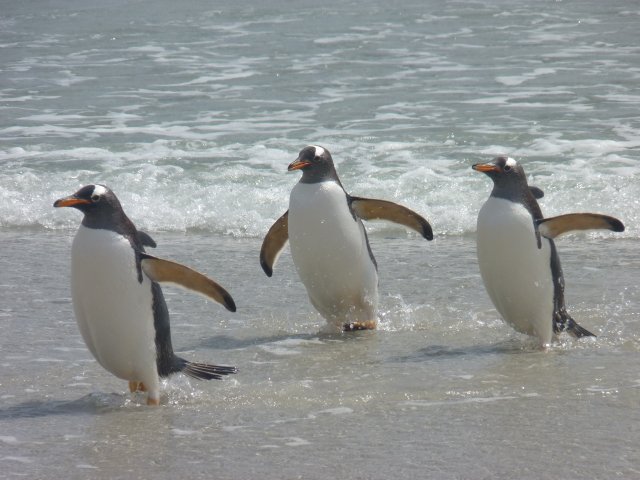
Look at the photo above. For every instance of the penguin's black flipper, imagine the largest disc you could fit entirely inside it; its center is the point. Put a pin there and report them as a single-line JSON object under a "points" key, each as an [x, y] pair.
{"points": [[273, 243], [536, 192], [145, 239], [373, 209], [553, 227], [160, 270]]}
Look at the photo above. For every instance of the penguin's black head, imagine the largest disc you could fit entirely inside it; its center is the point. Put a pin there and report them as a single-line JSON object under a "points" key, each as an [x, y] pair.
{"points": [[316, 165], [90, 198], [99, 204], [507, 175]]}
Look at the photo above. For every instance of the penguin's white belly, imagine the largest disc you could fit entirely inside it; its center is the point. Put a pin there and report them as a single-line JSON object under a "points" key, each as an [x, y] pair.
{"points": [[113, 310], [329, 250], [516, 273]]}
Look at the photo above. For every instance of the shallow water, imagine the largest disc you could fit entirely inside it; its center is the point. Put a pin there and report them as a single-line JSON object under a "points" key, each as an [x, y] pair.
{"points": [[442, 390], [191, 112]]}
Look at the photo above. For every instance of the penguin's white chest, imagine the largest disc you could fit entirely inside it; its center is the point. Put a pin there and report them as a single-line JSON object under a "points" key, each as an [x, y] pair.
{"points": [[516, 273], [330, 252], [113, 309]]}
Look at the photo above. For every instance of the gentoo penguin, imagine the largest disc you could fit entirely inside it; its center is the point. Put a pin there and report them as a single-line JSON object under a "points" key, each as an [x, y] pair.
{"points": [[329, 243], [517, 256], [118, 303]]}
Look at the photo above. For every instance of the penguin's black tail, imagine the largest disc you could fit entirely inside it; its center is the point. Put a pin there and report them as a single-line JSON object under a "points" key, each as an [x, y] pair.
{"points": [[577, 331], [562, 322], [205, 371]]}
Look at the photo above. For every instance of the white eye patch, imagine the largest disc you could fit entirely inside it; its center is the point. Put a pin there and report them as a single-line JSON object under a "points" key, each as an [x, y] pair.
{"points": [[511, 162], [99, 190], [319, 150]]}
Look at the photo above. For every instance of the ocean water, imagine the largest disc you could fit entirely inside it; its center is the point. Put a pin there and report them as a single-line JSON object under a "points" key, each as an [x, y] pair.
{"points": [[191, 111]]}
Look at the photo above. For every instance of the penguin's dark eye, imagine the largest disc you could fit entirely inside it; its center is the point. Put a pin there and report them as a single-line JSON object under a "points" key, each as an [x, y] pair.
{"points": [[95, 198], [507, 168]]}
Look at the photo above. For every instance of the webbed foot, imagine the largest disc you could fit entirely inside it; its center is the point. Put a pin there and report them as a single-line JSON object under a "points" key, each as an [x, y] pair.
{"points": [[137, 387], [354, 326]]}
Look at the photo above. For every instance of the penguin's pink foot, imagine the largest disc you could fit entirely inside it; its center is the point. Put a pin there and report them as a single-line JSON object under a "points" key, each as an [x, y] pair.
{"points": [[137, 387], [353, 326]]}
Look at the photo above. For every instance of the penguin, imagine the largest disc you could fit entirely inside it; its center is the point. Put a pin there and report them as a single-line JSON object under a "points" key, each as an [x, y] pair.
{"points": [[117, 299], [329, 244], [517, 256]]}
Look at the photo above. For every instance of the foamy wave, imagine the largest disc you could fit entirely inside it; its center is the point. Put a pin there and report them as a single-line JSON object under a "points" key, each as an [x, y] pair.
{"points": [[238, 190]]}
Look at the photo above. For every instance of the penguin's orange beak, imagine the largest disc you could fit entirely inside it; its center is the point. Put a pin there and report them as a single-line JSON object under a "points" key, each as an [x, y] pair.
{"points": [[71, 201], [485, 167], [298, 164]]}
